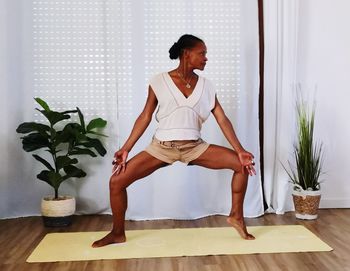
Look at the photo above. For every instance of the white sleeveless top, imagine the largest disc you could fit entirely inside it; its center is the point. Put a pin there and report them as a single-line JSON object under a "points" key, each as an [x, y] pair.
{"points": [[181, 118]]}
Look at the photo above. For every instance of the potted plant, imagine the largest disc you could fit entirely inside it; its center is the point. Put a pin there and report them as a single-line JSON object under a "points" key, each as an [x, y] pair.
{"points": [[63, 141], [308, 158]]}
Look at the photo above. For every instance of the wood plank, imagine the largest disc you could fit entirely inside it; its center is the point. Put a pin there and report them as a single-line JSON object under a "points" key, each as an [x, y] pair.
{"points": [[19, 237]]}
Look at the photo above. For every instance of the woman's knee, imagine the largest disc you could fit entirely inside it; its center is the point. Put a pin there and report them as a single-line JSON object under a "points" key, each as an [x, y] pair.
{"points": [[239, 169], [236, 165], [116, 183]]}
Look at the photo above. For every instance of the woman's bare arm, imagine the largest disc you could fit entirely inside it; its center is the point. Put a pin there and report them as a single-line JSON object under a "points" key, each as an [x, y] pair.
{"points": [[226, 126], [142, 121], [245, 157]]}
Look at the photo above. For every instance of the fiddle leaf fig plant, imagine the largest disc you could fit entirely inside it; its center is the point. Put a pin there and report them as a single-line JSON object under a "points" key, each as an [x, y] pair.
{"points": [[64, 140]]}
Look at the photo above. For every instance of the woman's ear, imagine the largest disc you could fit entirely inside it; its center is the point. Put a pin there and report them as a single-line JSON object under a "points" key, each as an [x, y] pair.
{"points": [[186, 53]]}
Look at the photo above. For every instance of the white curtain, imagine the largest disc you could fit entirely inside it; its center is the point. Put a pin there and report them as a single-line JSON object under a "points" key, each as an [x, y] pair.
{"points": [[134, 37], [281, 32]]}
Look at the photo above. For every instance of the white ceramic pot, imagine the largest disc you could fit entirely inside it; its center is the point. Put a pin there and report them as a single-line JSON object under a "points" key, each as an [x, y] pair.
{"points": [[57, 212]]}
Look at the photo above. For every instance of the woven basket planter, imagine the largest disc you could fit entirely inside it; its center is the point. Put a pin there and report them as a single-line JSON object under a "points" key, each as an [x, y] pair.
{"points": [[57, 212], [306, 204]]}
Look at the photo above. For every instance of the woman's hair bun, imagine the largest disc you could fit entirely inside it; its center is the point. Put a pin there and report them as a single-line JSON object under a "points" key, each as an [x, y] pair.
{"points": [[174, 51]]}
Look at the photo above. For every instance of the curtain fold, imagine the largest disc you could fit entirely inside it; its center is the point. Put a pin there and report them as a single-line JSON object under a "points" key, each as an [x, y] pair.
{"points": [[281, 32]]}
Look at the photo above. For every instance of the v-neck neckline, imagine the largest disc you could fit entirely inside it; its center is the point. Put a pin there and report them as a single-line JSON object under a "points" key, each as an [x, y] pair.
{"points": [[177, 94], [179, 90]]}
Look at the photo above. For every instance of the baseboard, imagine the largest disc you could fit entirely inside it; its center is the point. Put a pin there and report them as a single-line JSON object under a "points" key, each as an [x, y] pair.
{"points": [[334, 203]]}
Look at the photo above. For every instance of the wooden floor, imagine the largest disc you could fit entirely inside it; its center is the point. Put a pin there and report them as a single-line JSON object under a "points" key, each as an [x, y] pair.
{"points": [[19, 237]]}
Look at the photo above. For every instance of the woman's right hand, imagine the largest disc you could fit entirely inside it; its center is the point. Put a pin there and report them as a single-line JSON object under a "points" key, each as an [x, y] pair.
{"points": [[119, 161], [247, 162]]}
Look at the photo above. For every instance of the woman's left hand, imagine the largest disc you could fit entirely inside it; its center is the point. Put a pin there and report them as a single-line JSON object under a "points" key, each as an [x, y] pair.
{"points": [[247, 162]]}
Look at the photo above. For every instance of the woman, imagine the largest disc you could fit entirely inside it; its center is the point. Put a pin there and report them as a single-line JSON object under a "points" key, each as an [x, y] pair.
{"points": [[185, 101]]}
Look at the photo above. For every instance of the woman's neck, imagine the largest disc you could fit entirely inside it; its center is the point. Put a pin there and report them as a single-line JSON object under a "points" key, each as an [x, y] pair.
{"points": [[185, 72]]}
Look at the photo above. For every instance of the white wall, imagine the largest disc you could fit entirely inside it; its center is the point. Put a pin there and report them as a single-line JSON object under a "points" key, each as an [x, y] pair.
{"points": [[3, 113], [324, 61]]}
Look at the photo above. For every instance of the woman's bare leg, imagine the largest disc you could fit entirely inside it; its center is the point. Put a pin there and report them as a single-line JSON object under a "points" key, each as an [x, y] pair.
{"points": [[141, 165], [217, 157]]}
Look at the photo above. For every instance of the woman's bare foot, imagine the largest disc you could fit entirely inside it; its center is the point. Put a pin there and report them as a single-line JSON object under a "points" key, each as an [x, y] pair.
{"points": [[110, 238], [240, 227]]}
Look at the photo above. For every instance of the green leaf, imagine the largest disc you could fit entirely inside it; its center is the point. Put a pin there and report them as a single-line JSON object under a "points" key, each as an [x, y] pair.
{"points": [[52, 178], [81, 118], [73, 131], [53, 116], [44, 176], [79, 151], [69, 111], [43, 161], [73, 171], [96, 123], [63, 161], [34, 142], [63, 136], [28, 127], [96, 144], [43, 104], [95, 133]]}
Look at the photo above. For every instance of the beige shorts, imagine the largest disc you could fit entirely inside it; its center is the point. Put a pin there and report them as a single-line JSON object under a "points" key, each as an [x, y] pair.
{"points": [[179, 150]]}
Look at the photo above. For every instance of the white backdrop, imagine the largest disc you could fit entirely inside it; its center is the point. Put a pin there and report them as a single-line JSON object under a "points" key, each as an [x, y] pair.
{"points": [[172, 192], [307, 44]]}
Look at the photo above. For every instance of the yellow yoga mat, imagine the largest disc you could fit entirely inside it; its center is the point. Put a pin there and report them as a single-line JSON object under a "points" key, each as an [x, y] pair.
{"points": [[76, 246]]}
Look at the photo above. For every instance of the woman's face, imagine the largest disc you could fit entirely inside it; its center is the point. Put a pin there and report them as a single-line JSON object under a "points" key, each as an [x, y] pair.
{"points": [[197, 56]]}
